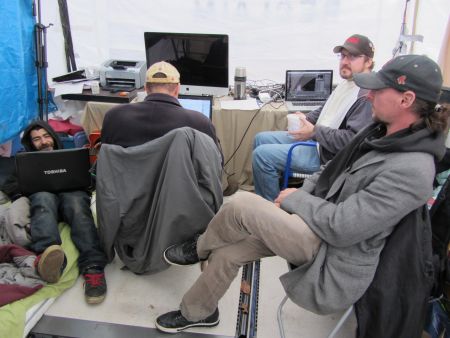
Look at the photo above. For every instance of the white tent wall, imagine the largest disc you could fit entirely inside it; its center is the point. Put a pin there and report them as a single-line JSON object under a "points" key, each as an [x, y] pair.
{"points": [[266, 36]]}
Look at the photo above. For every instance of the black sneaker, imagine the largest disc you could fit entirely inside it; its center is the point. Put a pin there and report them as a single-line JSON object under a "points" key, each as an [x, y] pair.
{"points": [[94, 285], [182, 254], [173, 322]]}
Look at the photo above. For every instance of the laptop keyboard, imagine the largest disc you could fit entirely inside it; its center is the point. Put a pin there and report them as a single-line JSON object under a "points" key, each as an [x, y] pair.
{"points": [[307, 103]]}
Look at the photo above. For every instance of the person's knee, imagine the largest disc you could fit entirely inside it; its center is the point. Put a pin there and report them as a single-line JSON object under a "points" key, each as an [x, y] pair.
{"points": [[75, 204], [43, 198], [227, 262], [75, 198], [257, 139], [256, 158], [263, 157], [260, 153], [240, 203], [261, 138]]}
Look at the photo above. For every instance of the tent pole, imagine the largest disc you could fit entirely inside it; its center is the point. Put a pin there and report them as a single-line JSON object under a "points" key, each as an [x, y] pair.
{"points": [[414, 25], [37, 39], [41, 61], [68, 44]]}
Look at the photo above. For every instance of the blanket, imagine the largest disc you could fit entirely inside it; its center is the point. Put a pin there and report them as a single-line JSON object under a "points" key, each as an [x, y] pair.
{"points": [[12, 316]]}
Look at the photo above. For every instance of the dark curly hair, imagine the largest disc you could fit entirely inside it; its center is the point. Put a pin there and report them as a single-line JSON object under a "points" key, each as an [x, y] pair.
{"points": [[434, 115]]}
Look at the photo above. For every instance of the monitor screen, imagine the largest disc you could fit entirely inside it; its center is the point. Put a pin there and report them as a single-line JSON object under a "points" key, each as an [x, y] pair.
{"points": [[203, 104], [201, 59]]}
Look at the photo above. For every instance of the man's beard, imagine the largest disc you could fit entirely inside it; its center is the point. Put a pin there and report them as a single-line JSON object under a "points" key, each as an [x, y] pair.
{"points": [[348, 75]]}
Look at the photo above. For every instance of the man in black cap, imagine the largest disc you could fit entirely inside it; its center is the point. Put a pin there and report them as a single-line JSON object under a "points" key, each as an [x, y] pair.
{"points": [[346, 112], [335, 226]]}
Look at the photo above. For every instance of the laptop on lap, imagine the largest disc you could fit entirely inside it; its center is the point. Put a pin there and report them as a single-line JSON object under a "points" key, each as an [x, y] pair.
{"points": [[307, 90], [53, 171]]}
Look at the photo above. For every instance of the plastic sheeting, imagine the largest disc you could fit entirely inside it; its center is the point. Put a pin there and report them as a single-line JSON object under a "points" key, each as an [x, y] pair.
{"points": [[266, 36], [18, 77]]}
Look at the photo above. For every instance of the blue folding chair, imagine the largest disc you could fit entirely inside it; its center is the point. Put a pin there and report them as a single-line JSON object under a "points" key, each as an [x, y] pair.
{"points": [[288, 173]]}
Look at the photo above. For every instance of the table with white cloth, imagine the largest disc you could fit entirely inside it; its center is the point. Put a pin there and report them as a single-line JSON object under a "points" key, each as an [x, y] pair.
{"points": [[231, 125]]}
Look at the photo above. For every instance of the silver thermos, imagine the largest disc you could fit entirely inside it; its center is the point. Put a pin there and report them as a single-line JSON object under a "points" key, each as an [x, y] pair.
{"points": [[239, 83]]}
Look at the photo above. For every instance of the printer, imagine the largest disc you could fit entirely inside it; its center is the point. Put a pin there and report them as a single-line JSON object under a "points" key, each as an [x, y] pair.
{"points": [[122, 75]]}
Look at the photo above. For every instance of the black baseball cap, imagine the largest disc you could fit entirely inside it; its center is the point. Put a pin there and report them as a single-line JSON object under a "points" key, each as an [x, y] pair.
{"points": [[417, 73], [357, 45]]}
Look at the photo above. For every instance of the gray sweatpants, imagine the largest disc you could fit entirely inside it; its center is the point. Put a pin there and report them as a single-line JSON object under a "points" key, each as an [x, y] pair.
{"points": [[245, 229]]}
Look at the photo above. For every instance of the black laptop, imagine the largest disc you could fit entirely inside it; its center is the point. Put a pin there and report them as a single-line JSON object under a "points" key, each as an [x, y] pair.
{"points": [[53, 171]]}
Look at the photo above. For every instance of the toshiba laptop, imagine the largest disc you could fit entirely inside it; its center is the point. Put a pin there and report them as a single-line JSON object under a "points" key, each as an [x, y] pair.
{"points": [[307, 90], [200, 103], [53, 171]]}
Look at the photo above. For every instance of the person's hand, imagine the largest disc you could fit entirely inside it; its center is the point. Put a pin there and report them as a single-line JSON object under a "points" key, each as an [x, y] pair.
{"points": [[305, 132], [300, 114], [283, 194]]}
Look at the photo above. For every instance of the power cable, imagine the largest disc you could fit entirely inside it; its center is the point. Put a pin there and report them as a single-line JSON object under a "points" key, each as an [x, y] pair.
{"points": [[254, 87], [245, 134]]}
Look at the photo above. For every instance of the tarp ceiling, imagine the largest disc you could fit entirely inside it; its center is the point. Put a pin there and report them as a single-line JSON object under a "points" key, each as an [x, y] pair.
{"points": [[266, 36]]}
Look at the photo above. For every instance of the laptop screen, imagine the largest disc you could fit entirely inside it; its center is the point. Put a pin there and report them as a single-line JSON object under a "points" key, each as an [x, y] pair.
{"points": [[200, 103], [308, 84]]}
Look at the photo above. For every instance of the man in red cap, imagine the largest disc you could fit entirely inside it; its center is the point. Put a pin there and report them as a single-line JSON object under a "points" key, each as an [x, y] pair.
{"points": [[346, 111]]}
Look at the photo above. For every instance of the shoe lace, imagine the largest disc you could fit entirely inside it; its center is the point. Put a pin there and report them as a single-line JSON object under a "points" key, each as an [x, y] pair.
{"points": [[192, 246], [94, 279], [180, 318]]}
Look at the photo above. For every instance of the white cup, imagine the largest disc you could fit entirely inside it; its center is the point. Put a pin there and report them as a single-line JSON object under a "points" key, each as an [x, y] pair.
{"points": [[294, 122], [95, 87]]}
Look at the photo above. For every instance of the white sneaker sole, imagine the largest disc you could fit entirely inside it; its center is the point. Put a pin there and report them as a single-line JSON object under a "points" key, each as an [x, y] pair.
{"points": [[179, 329]]}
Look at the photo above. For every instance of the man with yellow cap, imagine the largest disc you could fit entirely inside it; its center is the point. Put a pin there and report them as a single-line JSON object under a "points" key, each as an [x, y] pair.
{"points": [[137, 123]]}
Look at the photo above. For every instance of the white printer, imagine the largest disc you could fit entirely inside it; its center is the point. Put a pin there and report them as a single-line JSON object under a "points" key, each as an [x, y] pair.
{"points": [[121, 74]]}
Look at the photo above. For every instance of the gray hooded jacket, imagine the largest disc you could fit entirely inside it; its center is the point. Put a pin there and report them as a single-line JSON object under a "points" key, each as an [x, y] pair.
{"points": [[353, 206]]}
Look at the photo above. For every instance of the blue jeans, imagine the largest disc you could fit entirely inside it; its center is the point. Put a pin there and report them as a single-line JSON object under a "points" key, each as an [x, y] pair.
{"points": [[74, 209], [270, 149]]}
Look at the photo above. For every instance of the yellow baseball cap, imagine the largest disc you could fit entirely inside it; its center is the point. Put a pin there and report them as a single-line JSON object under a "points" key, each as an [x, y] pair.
{"points": [[162, 72]]}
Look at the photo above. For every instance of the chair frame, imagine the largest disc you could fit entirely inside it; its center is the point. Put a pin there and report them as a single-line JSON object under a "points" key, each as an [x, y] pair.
{"points": [[287, 168], [333, 333], [286, 175]]}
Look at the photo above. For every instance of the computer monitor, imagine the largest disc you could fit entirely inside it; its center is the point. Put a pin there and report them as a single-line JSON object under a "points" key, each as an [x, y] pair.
{"points": [[201, 59], [202, 103]]}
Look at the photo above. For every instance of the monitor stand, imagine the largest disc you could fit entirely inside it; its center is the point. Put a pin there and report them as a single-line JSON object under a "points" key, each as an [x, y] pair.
{"points": [[203, 90]]}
